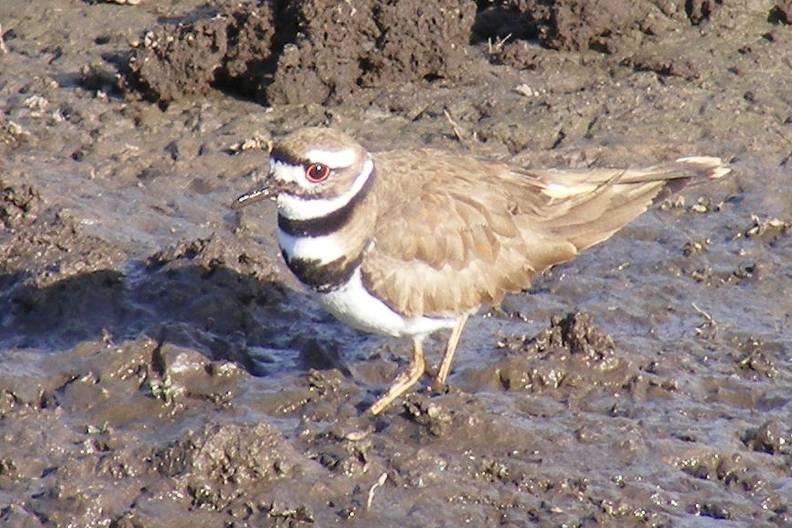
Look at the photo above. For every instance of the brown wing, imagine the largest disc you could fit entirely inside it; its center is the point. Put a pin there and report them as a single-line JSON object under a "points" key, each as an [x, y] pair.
{"points": [[449, 240]]}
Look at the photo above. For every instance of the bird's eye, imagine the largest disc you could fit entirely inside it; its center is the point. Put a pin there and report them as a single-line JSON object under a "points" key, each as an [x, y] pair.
{"points": [[316, 172]]}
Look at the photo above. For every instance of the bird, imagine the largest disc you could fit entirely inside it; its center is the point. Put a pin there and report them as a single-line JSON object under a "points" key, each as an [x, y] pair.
{"points": [[409, 242]]}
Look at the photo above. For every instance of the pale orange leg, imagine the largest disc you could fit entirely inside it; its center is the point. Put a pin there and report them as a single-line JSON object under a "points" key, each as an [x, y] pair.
{"points": [[445, 365], [405, 380]]}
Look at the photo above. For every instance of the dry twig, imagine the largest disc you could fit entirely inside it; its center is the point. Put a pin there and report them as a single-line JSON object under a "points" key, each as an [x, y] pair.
{"points": [[380, 481]]}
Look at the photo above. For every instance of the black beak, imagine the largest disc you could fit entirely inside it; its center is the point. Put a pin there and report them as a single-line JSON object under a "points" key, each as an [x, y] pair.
{"points": [[256, 195], [251, 197]]}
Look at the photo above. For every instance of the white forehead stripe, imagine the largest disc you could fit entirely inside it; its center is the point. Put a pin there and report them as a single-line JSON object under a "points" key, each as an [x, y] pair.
{"points": [[288, 173], [338, 159], [298, 208]]}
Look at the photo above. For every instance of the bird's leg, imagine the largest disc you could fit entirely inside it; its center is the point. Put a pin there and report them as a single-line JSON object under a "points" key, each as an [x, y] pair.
{"points": [[405, 380], [445, 364]]}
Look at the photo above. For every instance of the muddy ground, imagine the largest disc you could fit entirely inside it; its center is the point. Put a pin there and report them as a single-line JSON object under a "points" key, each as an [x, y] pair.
{"points": [[158, 367]]}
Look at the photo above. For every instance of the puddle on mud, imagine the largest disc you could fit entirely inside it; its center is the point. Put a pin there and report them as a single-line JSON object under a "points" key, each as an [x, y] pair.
{"points": [[159, 368]]}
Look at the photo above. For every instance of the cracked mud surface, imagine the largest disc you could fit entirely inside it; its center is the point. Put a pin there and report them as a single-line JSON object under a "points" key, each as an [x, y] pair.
{"points": [[160, 369]]}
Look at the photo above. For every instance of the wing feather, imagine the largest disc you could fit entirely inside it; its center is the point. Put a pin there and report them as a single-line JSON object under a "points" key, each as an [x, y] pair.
{"points": [[460, 232]]}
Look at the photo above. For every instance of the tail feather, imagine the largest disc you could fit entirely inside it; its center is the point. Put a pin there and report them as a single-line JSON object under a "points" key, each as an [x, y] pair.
{"points": [[691, 171], [590, 206], [708, 166]]}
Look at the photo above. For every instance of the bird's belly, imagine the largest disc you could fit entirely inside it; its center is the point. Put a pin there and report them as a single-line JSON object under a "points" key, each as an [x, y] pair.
{"points": [[352, 304]]}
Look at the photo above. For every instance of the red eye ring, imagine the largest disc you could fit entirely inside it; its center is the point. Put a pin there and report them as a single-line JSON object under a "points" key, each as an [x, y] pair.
{"points": [[316, 172]]}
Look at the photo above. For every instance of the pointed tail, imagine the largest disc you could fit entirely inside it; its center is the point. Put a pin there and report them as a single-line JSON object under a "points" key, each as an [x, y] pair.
{"points": [[592, 204]]}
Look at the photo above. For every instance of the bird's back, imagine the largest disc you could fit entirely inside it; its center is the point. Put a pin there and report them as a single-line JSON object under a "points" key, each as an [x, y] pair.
{"points": [[454, 232]]}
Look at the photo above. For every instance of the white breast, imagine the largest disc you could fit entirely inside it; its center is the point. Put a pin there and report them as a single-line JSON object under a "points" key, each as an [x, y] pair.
{"points": [[355, 306], [323, 249]]}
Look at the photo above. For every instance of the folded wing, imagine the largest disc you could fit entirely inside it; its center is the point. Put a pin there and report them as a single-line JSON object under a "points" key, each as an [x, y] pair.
{"points": [[456, 240]]}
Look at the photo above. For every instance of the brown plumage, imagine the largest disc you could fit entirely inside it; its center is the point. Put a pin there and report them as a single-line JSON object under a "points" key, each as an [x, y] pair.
{"points": [[453, 232], [409, 242]]}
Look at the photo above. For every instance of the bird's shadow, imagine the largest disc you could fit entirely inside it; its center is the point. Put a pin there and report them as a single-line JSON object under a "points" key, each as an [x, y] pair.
{"points": [[224, 314]]}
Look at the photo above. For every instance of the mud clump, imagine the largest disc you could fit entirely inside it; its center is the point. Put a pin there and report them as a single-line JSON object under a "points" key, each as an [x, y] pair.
{"points": [[343, 448], [11, 134], [574, 25], [782, 12], [700, 10], [590, 25], [371, 44], [577, 334], [571, 352], [173, 62], [18, 206], [217, 463], [180, 62], [306, 52], [327, 52], [47, 243], [427, 414], [770, 438], [610, 27]]}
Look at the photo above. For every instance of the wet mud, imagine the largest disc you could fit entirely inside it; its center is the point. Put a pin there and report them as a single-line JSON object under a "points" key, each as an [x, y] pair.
{"points": [[160, 368]]}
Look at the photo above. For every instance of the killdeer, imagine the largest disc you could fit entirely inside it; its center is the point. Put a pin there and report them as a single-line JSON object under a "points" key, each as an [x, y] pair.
{"points": [[408, 242]]}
